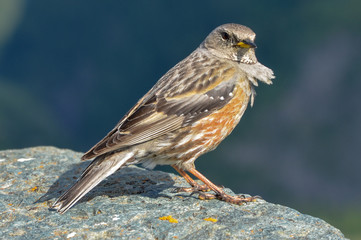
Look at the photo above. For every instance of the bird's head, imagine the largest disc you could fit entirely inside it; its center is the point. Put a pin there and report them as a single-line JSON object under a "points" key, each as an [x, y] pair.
{"points": [[232, 41]]}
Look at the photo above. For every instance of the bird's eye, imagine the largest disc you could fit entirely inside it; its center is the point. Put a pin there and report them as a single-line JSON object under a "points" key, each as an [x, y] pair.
{"points": [[225, 36]]}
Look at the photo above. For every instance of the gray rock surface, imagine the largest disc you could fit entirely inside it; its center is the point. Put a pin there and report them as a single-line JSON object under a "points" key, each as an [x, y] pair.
{"points": [[134, 203]]}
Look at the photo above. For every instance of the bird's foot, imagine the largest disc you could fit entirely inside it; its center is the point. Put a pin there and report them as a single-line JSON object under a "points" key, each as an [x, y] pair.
{"points": [[194, 189], [239, 200]]}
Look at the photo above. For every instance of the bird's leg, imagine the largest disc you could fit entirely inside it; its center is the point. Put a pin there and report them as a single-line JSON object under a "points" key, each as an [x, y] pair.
{"points": [[195, 186], [219, 193]]}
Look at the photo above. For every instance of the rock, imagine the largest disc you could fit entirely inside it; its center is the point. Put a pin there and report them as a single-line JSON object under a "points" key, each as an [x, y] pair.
{"points": [[132, 203]]}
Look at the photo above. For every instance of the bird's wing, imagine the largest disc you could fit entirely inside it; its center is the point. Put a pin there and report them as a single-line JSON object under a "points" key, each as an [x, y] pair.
{"points": [[182, 96]]}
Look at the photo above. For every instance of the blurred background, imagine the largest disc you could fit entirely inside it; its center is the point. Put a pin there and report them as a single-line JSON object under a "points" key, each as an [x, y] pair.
{"points": [[69, 70]]}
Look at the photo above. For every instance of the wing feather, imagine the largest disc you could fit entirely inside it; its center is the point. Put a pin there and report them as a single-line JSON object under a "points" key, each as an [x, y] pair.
{"points": [[182, 96]]}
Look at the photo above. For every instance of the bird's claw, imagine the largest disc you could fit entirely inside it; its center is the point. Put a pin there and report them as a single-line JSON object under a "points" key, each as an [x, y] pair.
{"points": [[194, 189], [239, 200]]}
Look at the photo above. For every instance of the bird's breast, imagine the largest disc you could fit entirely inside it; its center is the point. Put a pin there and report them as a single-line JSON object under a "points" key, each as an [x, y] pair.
{"points": [[218, 125], [185, 145], [207, 133]]}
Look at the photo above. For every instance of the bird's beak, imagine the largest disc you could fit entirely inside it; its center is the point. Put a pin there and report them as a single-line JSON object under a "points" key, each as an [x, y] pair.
{"points": [[246, 44]]}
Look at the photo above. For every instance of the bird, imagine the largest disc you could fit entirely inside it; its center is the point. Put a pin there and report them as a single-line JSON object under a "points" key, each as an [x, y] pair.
{"points": [[187, 113]]}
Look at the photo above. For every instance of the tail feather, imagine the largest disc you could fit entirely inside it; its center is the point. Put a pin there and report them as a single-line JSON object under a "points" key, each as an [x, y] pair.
{"points": [[100, 168]]}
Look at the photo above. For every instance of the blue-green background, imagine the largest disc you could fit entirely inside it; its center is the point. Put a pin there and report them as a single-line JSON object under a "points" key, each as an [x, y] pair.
{"points": [[69, 70]]}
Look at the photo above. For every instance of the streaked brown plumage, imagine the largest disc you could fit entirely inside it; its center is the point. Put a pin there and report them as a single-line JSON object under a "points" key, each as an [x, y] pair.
{"points": [[187, 113]]}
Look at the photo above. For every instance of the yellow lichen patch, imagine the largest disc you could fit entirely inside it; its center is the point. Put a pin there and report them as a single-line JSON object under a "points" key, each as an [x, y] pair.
{"points": [[59, 232], [169, 218], [210, 219]]}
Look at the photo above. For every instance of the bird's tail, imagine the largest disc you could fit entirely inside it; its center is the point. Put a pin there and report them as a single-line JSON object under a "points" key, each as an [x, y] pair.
{"points": [[100, 168]]}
